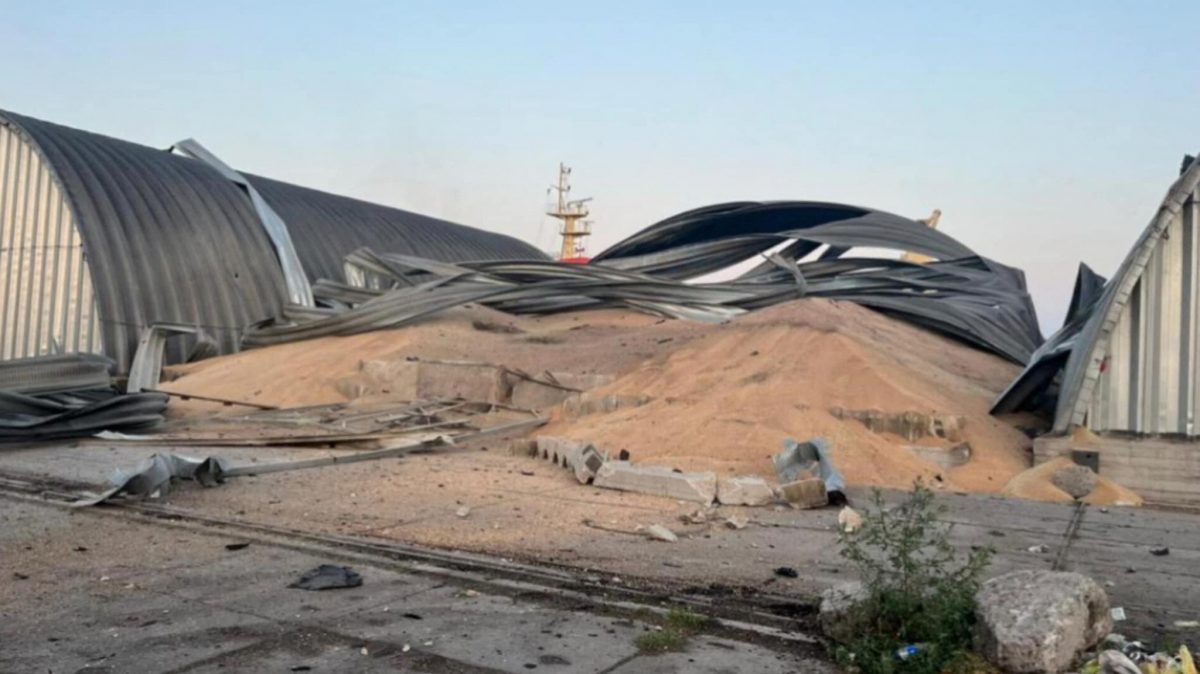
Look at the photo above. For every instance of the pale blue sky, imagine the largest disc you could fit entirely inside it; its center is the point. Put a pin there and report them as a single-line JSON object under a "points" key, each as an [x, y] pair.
{"points": [[1047, 132]]}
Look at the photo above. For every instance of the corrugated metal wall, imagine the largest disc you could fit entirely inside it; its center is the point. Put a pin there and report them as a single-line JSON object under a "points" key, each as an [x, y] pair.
{"points": [[46, 299], [1148, 382]]}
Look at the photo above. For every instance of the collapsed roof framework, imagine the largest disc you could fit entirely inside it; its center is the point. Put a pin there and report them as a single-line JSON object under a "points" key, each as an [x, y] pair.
{"points": [[1128, 356], [962, 295]]}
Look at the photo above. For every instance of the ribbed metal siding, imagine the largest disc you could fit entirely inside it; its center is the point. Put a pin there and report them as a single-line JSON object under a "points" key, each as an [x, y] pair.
{"points": [[1148, 383], [326, 227], [167, 239], [46, 299]]}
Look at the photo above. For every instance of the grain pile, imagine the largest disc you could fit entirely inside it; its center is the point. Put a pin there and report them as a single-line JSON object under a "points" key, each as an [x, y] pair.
{"points": [[308, 372], [722, 397], [726, 401], [1037, 484]]}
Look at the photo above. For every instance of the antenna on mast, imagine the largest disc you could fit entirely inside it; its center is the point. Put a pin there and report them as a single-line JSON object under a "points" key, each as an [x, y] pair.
{"points": [[572, 213]]}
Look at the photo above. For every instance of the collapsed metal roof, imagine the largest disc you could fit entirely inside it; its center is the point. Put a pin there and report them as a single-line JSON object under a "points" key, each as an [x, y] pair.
{"points": [[966, 296], [169, 239], [1133, 341]]}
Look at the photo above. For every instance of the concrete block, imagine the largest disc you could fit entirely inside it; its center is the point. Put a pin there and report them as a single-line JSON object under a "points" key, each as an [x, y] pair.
{"points": [[396, 378], [946, 457], [523, 447], [585, 404], [911, 426], [805, 493], [426, 380], [558, 387], [749, 490], [582, 458], [658, 481], [470, 381]]}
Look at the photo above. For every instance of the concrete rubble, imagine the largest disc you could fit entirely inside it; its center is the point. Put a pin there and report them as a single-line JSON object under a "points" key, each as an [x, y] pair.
{"points": [[1039, 621], [581, 458], [660, 533], [659, 481], [552, 388], [805, 493], [747, 490]]}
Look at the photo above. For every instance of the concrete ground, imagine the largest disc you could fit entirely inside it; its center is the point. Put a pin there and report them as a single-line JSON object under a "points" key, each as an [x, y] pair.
{"points": [[529, 510], [87, 591]]}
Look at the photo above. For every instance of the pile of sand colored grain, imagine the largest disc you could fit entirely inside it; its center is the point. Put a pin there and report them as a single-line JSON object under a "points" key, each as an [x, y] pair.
{"points": [[726, 401], [723, 396], [1036, 484], [305, 373]]}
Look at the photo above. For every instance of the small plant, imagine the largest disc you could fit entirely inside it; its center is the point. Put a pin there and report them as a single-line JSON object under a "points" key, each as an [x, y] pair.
{"points": [[687, 622], [919, 592], [681, 624], [660, 641]]}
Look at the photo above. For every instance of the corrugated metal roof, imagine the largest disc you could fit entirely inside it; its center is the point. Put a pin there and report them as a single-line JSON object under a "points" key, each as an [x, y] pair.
{"points": [[327, 227], [169, 239], [166, 238]]}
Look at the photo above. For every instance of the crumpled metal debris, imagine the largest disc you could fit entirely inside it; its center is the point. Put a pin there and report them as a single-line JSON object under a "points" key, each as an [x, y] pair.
{"points": [[153, 477], [961, 294], [798, 458], [328, 577], [68, 396]]}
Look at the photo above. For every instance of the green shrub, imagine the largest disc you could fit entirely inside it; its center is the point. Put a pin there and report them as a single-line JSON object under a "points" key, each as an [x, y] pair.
{"points": [[664, 641], [919, 590]]}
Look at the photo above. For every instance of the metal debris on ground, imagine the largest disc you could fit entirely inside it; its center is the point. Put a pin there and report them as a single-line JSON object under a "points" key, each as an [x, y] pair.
{"points": [[1134, 658], [328, 577], [69, 396], [153, 477], [800, 459]]}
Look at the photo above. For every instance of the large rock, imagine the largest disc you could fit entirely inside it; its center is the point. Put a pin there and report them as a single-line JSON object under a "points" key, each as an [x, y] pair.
{"points": [[1078, 481], [1039, 621], [836, 604]]}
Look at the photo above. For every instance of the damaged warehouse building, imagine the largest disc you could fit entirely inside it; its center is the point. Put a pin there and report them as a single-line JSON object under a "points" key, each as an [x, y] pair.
{"points": [[105, 241], [103, 238], [703, 408], [1126, 363]]}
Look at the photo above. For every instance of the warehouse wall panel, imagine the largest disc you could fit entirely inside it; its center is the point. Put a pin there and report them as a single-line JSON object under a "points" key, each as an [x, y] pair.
{"points": [[1147, 380], [47, 304]]}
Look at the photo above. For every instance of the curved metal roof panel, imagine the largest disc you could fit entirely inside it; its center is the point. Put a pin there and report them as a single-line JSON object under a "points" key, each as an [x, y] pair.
{"points": [[327, 227], [167, 238]]}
